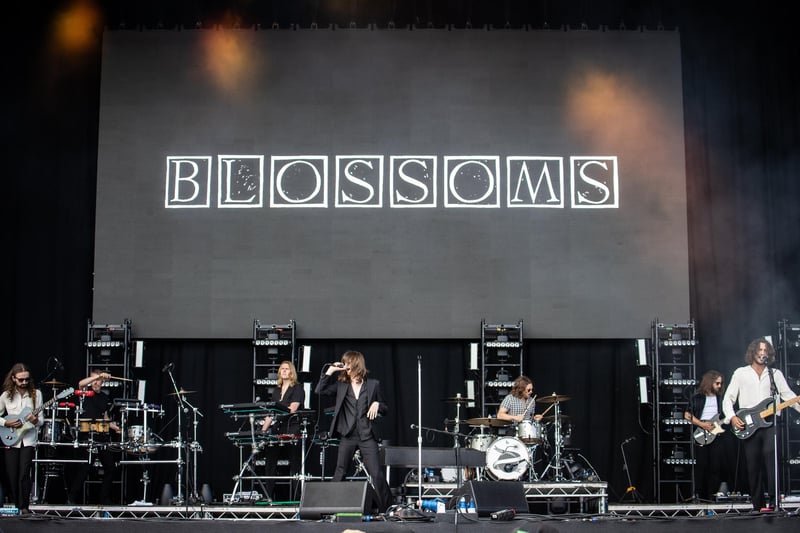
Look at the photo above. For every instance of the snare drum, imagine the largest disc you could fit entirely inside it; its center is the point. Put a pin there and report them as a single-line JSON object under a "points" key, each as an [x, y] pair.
{"points": [[530, 432], [138, 442], [480, 441], [507, 459], [136, 434]]}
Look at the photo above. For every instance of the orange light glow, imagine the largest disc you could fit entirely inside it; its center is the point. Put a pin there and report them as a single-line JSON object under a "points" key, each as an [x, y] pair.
{"points": [[75, 27]]}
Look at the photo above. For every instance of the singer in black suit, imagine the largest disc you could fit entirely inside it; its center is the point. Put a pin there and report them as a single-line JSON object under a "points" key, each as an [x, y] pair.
{"points": [[358, 404]]}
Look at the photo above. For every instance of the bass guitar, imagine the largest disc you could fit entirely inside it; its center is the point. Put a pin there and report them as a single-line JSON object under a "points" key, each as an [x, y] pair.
{"points": [[703, 437], [10, 436], [755, 417]]}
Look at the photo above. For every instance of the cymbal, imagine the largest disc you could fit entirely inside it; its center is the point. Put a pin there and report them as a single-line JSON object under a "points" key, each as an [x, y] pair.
{"points": [[553, 417], [553, 398], [181, 392], [490, 422], [458, 399], [54, 383]]}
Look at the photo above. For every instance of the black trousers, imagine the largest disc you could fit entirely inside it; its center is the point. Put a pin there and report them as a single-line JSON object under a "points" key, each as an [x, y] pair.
{"points": [[82, 471], [759, 452], [708, 470], [370, 456], [18, 468]]}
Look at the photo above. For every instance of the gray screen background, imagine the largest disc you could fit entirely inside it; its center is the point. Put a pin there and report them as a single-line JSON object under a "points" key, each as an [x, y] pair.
{"points": [[391, 273]]}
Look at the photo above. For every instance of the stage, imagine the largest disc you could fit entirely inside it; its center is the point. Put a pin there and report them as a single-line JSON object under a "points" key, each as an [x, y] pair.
{"points": [[730, 518]]}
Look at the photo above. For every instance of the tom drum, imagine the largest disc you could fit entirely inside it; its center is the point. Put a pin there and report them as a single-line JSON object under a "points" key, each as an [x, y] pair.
{"points": [[480, 442], [530, 432]]}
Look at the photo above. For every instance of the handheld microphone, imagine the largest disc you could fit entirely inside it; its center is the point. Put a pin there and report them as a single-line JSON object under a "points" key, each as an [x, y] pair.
{"points": [[168, 366], [505, 515]]}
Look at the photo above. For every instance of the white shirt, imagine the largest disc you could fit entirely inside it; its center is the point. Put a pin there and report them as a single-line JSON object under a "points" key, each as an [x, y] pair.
{"points": [[15, 406], [749, 389]]}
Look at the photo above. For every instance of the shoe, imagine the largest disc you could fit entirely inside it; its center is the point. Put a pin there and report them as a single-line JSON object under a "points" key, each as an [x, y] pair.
{"points": [[25, 512], [766, 509]]}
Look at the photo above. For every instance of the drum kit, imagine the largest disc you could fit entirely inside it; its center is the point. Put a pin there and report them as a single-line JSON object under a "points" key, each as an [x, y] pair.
{"points": [[65, 426], [525, 454]]}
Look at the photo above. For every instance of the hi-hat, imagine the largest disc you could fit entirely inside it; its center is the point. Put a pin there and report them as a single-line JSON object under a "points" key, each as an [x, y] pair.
{"points": [[553, 398], [54, 383], [181, 392], [490, 422], [458, 399]]}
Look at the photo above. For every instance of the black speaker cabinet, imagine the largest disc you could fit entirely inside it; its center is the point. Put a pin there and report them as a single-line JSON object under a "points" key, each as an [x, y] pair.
{"points": [[325, 498], [492, 496]]}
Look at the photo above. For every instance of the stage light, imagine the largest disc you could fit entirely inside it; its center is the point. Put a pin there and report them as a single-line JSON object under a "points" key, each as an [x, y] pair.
{"points": [[644, 397], [641, 347]]}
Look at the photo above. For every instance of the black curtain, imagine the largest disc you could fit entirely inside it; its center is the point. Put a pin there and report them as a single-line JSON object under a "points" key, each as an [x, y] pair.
{"points": [[741, 125]]}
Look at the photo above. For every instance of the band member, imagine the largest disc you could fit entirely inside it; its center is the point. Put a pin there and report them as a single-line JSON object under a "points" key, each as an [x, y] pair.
{"points": [[750, 385], [358, 404], [95, 410], [705, 411], [519, 404], [20, 396], [291, 394]]}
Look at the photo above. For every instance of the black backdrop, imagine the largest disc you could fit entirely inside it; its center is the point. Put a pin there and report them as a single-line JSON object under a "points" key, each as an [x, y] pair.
{"points": [[741, 117]]}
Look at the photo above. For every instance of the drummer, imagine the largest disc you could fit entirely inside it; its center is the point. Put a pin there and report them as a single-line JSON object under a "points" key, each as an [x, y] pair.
{"points": [[95, 407], [519, 405]]}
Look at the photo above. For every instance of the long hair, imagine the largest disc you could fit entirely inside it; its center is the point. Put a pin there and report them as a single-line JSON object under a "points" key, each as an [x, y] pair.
{"points": [[519, 386], [9, 383], [752, 348], [358, 368], [292, 374], [707, 383]]}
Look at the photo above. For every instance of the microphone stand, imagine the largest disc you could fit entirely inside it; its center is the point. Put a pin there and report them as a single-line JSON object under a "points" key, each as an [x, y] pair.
{"points": [[419, 429], [775, 401], [637, 498], [179, 398], [195, 447]]}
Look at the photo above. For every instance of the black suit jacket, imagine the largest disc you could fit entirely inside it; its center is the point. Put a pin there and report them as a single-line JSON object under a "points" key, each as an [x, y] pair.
{"points": [[329, 385]]}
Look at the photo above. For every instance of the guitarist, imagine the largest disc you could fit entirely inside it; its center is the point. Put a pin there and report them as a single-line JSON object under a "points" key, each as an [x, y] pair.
{"points": [[20, 393], [703, 411], [749, 386]]}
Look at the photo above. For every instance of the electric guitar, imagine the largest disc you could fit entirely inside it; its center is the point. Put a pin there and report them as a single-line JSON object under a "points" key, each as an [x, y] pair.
{"points": [[754, 418], [703, 437], [10, 436]]}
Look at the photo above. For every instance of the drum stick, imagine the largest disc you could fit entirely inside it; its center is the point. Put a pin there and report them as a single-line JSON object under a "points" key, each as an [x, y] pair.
{"points": [[545, 411], [123, 379]]}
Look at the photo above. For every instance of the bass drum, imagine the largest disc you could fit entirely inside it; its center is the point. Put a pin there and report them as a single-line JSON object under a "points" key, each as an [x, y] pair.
{"points": [[507, 459]]}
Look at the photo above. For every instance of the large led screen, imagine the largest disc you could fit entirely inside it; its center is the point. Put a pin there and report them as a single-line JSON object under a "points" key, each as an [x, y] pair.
{"points": [[391, 184]]}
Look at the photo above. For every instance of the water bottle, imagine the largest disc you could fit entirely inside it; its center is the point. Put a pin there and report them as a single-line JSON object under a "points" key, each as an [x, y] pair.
{"points": [[471, 507], [462, 505]]}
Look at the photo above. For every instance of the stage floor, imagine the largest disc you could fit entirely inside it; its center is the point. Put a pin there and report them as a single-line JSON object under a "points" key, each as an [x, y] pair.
{"points": [[733, 518]]}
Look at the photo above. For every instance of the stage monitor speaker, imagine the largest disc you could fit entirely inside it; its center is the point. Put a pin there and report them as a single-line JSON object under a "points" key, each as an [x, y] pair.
{"points": [[492, 496], [325, 498]]}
